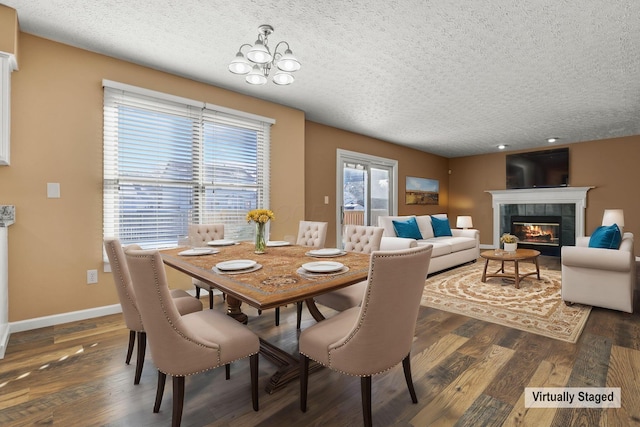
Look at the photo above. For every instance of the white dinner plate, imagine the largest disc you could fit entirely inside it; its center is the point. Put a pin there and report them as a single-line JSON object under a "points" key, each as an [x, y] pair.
{"points": [[322, 266], [325, 252], [273, 243], [234, 265], [198, 251], [221, 242]]}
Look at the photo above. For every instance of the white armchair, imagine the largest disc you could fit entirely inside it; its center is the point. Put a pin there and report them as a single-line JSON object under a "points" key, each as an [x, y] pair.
{"points": [[599, 277]]}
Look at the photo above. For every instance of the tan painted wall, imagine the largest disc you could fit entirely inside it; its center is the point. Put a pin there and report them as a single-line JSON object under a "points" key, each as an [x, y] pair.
{"points": [[610, 165], [56, 136], [320, 161], [8, 30]]}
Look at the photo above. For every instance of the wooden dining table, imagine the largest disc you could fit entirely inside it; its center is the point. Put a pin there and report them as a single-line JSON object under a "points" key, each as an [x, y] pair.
{"points": [[277, 279]]}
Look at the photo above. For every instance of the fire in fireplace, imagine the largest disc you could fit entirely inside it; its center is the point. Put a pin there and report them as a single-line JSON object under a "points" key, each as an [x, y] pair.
{"points": [[543, 233]]}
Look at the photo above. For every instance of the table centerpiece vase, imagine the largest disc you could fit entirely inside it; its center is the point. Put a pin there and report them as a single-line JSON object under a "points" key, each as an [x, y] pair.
{"points": [[261, 243], [510, 247], [510, 242], [260, 217]]}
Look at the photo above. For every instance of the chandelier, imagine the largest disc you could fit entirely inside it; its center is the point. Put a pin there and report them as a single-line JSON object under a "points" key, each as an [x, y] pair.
{"points": [[259, 61]]}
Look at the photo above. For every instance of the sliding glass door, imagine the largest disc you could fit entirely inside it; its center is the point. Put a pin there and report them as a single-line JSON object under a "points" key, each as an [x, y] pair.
{"points": [[366, 189]]}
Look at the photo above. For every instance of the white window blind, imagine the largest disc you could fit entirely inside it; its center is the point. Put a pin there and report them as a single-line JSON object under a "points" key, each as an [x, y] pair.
{"points": [[170, 162]]}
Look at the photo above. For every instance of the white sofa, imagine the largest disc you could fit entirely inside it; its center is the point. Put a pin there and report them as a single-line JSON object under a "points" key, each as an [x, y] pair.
{"points": [[599, 277], [448, 251]]}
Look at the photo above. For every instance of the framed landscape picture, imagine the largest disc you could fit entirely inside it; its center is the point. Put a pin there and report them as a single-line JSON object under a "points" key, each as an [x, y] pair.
{"points": [[421, 191]]}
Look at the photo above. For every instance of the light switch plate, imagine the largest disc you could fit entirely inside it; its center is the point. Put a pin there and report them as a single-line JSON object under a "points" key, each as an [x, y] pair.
{"points": [[53, 190]]}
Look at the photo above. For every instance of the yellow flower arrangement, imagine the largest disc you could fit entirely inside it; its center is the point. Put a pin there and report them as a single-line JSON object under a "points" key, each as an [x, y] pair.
{"points": [[508, 238], [261, 216]]}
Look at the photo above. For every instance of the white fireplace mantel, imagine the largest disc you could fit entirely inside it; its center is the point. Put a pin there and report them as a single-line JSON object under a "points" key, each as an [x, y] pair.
{"points": [[568, 195]]}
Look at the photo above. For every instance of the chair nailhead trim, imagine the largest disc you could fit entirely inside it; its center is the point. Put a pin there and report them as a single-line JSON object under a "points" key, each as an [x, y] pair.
{"points": [[157, 287], [350, 374], [122, 281], [361, 319], [208, 369]]}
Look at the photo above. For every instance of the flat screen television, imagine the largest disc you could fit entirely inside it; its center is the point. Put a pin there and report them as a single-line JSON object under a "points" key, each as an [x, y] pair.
{"points": [[538, 169]]}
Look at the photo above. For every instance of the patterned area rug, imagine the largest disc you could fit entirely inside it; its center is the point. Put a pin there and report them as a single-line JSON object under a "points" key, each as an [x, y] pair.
{"points": [[536, 307]]}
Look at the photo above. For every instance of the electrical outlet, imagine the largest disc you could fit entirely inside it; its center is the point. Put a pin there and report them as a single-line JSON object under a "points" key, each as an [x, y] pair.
{"points": [[92, 277]]}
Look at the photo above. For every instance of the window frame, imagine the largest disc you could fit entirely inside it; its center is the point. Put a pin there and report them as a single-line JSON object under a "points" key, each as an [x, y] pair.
{"points": [[199, 116]]}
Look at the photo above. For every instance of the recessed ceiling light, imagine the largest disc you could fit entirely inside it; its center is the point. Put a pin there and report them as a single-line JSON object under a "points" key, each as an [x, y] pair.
{"points": [[501, 147], [552, 139]]}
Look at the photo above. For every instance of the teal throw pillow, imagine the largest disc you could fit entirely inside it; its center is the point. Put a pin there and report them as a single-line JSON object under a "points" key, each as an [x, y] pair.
{"points": [[407, 228], [441, 227], [606, 237]]}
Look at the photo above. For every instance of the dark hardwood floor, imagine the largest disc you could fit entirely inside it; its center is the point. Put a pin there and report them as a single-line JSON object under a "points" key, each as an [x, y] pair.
{"points": [[466, 373]]}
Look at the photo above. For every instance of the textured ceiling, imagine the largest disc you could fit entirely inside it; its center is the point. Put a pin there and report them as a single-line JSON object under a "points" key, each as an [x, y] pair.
{"points": [[449, 77]]}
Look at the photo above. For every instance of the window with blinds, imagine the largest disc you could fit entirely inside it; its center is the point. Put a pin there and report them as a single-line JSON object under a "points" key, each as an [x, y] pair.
{"points": [[170, 162]]}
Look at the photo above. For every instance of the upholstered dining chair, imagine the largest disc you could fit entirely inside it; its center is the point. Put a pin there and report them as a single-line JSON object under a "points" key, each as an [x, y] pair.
{"points": [[377, 335], [184, 302], [312, 234], [189, 344], [356, 238], [200, 234]]}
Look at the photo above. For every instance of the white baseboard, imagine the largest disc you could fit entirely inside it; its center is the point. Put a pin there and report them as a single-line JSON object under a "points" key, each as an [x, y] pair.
{"points": [[57, 319], [486, 246]]}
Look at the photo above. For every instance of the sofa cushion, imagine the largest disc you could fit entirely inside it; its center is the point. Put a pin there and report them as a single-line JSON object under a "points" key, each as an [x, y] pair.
{"points": [[606, 237], [440, 246], [386, 222], [424, 224], [407, 228], [441, 227], [460, 243]]}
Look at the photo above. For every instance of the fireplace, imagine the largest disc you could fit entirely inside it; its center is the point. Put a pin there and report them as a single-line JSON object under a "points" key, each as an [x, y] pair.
{"points": [[542, 233], [567, 202]]}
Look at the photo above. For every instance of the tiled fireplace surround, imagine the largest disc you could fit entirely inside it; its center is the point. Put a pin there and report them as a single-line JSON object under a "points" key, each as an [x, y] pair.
{"points": [[567, 202]]}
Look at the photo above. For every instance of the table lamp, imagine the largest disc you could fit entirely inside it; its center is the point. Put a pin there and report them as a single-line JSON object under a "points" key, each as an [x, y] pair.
{"points": [[464, 221], [613, 216]]}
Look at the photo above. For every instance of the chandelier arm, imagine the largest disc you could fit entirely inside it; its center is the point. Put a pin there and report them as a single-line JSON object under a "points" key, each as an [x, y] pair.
{"points": [[278, 45], [246, 44]]}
